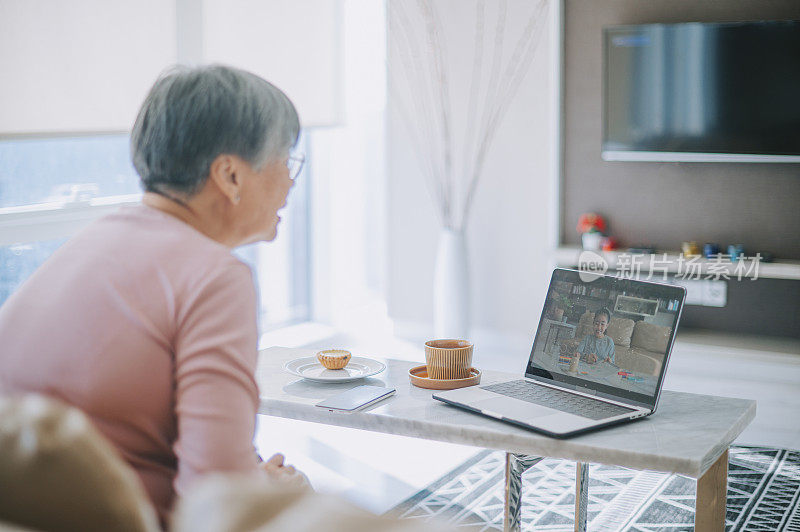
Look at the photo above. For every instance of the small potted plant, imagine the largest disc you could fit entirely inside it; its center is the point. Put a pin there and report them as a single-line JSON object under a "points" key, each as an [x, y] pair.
{"points": [[592, 228], [561, 305]]}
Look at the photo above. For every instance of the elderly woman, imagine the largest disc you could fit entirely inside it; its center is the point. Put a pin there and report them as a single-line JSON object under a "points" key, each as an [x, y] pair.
{"points": [[145, 320]]}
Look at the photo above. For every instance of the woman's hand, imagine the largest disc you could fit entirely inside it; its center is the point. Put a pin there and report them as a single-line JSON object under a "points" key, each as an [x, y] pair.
{"points": [[278, 471], [591, 358]]}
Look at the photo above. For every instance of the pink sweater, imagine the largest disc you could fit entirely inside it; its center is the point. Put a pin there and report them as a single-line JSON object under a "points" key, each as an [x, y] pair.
{"points": [[149, 327]]}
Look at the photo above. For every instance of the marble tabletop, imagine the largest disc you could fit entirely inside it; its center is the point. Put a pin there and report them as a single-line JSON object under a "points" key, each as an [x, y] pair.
{"points": [[686, 435]]}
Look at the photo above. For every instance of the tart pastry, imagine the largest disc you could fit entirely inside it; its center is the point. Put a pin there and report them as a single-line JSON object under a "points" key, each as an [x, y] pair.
{"points": [[334, 358]]}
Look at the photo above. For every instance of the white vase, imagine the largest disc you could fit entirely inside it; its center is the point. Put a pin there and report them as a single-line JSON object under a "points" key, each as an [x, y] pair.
{"points": [[451, 287], [592, 241]]}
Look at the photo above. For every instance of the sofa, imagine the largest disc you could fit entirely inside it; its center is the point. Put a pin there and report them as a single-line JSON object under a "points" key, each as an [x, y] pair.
{"points": [[638, 346], [58, 473]]}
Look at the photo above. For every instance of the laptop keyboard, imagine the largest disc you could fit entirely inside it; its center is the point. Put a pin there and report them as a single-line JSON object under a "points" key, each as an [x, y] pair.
{"points": [[557, 399]]}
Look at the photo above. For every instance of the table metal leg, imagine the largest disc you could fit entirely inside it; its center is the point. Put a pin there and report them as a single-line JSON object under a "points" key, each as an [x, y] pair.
{"points": [[581, 496], [516, 464]]}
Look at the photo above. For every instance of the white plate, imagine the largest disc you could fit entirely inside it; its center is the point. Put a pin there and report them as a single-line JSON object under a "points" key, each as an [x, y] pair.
{"points": [[311, 369]]}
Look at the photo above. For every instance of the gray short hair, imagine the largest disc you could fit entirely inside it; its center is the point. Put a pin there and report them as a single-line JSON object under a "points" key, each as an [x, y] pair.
{"points": [[192, 115]]}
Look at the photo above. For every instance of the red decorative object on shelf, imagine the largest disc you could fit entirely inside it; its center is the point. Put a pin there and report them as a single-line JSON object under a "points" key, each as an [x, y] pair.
{"points": [[610, 244], [591, 222], [592, 228]]}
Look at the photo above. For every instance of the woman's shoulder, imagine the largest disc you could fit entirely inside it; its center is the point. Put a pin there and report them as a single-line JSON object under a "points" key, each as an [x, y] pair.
{"points": [[145, 240], [140, 223]]}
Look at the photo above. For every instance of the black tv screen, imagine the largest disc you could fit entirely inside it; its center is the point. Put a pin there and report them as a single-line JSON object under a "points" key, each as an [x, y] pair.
{"points": [[702, 92]]}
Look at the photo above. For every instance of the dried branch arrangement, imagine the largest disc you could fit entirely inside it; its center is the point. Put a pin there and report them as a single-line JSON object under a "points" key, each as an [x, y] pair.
{"points": [[421, 91]]}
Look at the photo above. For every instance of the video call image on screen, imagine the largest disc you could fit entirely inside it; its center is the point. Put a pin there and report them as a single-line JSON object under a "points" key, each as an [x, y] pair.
{"points": [[609, 333]]}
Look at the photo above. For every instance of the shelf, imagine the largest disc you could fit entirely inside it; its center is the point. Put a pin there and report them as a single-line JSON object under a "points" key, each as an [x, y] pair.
{"points": [[568, 257], [642, 305], [586, 296]]}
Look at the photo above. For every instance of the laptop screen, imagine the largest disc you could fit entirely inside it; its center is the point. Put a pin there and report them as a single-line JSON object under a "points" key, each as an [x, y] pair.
{"points": [[607, 334]]}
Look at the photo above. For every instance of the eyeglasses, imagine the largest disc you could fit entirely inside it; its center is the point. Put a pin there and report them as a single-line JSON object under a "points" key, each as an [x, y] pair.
{"points": [[295, 164]]}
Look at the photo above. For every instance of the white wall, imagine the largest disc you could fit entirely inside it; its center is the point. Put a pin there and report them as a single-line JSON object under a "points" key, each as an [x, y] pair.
{"points": [[511, 231], [347, 164]]}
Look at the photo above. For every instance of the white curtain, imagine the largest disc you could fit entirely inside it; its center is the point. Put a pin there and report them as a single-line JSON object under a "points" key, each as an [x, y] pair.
{"points": [[80, 66], [85, 66], [297, 45]]}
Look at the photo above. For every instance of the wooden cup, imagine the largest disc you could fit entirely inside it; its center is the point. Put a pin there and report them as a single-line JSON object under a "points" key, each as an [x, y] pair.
{"points": [[448, 359]]}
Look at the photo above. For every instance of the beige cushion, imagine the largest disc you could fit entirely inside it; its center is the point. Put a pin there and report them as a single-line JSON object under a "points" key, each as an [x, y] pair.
{"points": [[65, 475], [620, 330], [650, 337], [231, 503], [639, 360]]}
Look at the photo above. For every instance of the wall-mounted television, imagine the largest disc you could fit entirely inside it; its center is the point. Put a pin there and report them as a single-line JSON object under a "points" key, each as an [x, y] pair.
{"points": [[698, 92]]}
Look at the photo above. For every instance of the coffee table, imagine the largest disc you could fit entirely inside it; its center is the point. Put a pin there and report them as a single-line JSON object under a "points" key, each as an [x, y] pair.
{"points": [[689, 434]]}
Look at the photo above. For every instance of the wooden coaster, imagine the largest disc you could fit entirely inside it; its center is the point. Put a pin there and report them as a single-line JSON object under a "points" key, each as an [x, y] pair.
{"points": [[419, 378]]}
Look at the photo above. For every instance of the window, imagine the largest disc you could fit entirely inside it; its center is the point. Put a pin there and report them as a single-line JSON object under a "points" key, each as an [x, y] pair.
{"points": [[52, 187], [49, 189], [281, 268], [19, 261], [77, 169]]}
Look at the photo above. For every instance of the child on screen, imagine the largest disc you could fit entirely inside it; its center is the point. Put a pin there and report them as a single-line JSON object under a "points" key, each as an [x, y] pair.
{"points": [[596, 346]]}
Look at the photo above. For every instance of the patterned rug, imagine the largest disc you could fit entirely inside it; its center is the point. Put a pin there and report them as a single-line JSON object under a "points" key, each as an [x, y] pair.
{"points": [[763, 494]]}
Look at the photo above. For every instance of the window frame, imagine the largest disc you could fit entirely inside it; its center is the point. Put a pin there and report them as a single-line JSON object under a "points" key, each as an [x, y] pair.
{"points": [[48, 221]]}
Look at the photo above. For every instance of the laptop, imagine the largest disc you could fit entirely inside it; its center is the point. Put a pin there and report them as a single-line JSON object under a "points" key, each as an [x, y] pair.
{"points": [[598, 358]]}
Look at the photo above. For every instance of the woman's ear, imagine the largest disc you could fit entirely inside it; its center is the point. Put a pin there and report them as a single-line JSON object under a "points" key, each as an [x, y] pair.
{"points": [[225, 174]]}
